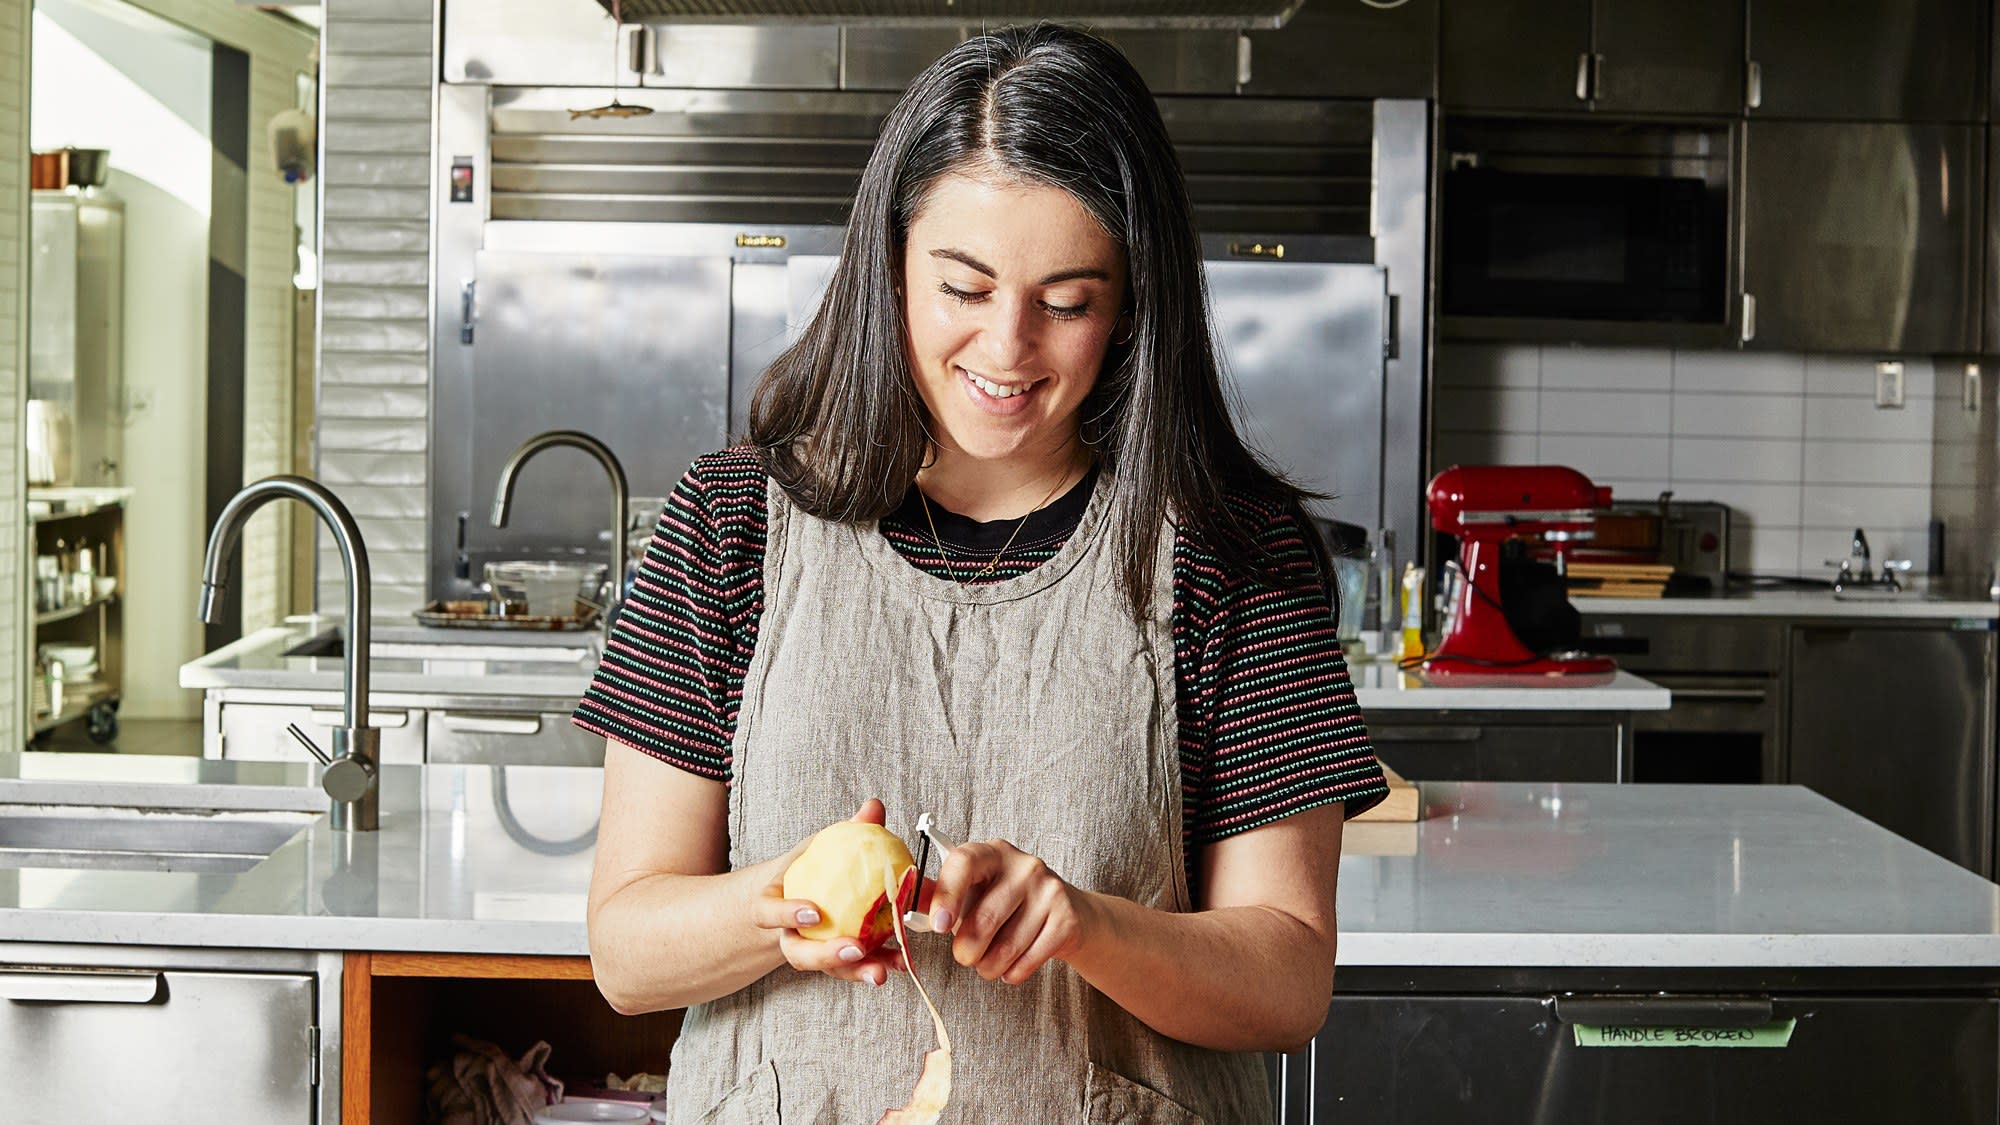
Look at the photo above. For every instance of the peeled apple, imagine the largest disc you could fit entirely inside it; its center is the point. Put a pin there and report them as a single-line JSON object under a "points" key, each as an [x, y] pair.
{"points": [[841, 872]]}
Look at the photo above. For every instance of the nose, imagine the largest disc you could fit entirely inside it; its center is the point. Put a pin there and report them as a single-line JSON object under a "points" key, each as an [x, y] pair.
{"points": [[1011, 337]]}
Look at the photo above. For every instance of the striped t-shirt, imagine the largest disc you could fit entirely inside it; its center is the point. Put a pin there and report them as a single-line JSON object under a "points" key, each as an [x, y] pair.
{"points": [[1268, 725]]}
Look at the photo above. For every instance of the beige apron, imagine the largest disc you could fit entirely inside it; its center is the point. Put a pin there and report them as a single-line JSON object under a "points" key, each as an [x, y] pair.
{"points": [[1033, 710]]}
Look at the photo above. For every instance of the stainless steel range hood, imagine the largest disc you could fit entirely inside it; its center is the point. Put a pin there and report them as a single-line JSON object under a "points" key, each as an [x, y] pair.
{"points": [[961, 13]]}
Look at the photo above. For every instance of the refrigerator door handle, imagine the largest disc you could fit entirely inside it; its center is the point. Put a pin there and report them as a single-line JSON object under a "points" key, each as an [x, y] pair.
{"points": [[1664, 1011]]}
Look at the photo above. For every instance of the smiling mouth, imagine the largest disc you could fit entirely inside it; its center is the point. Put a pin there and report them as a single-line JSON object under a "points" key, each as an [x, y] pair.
{"points": [[998, 390]]}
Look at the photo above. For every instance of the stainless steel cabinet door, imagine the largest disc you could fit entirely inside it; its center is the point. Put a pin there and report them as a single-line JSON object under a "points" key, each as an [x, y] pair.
{"points": [[164, 1047], [1669, 56], [1348, 51], [1515, 54], [509, 738], [1438, 750], [1869, 60], [255, 732], [1862, 237], [1897, 724], [533, 43]]}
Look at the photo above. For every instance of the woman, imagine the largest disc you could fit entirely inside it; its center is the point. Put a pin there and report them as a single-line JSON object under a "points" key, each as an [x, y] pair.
{"points": [[993, 553]]}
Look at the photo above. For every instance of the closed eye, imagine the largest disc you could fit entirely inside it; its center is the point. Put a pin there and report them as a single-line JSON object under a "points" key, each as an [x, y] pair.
{"points": [[967, 297]]}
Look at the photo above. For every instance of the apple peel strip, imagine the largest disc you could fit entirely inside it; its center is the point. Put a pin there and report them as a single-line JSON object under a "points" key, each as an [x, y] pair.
{"points": [[933, 1087]]}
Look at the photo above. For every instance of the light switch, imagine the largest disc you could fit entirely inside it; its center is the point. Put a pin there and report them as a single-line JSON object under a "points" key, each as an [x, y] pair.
{"points": [[1889, 384]]}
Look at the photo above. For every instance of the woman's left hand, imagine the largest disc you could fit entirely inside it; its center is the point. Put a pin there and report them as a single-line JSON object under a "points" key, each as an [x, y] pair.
{"points": [[1008, 914]]}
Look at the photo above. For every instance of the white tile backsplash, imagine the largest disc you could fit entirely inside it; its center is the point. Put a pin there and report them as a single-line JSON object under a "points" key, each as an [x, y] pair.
{"points": [[1794, 444], [1718, 415], [1607, 369], [1605, 412], [1766, 373]]}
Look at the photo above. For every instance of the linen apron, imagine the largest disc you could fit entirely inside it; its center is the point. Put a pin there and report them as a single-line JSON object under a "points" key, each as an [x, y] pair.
{"points": [[1033, 710]]}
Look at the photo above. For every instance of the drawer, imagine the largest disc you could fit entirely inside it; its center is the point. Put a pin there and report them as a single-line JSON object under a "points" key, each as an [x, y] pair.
{"points": [[1645, 644], [510, 738], [1499, 751], [256, 732]]}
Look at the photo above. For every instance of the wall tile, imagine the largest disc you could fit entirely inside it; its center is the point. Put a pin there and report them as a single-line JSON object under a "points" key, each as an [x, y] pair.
{"points": [[1487, 365], [1746, 461], [1471, 448], [1738, 415], [1855, 505], [1869, 462], [1605, 412], [1762, 505], [1623, 369], [1777, 373], [1613, 458], [1842, 417], [1495, 409], [1762, 550], [1885, 542]]}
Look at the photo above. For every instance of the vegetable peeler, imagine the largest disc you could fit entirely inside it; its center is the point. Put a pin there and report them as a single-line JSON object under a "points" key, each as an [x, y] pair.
{"points": [[916, 920]]}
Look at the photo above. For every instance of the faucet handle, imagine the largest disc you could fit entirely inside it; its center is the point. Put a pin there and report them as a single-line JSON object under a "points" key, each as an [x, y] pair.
{"points": [[311, 746]]}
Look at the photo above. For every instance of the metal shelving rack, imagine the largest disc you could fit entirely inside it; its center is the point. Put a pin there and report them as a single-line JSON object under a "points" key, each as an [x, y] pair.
{"points": [[93, 517]]}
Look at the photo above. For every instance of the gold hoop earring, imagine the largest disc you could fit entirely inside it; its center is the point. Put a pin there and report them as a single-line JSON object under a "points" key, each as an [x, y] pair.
{"points": [[1131, 330]]}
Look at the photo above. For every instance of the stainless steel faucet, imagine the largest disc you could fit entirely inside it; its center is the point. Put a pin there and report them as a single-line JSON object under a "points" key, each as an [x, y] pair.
{"points": [[503, 497], [351, 772]]}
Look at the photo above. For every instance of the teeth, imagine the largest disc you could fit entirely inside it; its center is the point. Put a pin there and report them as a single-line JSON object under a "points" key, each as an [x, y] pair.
{"points": [[992, 388]]}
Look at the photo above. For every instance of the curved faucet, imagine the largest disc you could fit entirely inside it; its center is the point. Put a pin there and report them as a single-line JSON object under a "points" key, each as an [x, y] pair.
{"points": [[503, 497], [351, 770]]}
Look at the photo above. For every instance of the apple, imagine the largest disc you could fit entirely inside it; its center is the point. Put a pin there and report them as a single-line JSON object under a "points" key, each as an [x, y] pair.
{"points": [[842, 873]]}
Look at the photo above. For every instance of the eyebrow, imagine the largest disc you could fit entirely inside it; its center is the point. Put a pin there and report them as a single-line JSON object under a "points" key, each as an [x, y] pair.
{"points": [[1080, 273]]}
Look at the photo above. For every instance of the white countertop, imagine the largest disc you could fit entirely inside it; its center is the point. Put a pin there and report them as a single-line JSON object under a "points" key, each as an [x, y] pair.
{"points": [[1380, 686], [1497, 875], [1920, 602], [258, 661]]}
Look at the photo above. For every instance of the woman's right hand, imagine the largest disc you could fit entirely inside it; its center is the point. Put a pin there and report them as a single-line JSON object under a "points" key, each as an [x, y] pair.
{"points": [[841, 957]]}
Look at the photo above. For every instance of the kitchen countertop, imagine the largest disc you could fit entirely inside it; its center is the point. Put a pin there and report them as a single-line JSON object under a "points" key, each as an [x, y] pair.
{"points": [[1920, 602], [476, 859], [258, 661]]}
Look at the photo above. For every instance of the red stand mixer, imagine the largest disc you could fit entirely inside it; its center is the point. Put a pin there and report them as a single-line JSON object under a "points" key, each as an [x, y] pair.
{"points": [[1486, 506]]}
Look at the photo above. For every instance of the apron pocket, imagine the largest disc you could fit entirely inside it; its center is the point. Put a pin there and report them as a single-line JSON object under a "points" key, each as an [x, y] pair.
{"points": [[1113, 1099], [761, 1099]]}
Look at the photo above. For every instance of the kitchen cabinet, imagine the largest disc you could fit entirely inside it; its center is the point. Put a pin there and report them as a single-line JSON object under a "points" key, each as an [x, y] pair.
{"points": [[1632, 56], [260, 731], [1502, 746], [399, 1011], [1444, 1048], [168, 1037], [1348, 51], [1896, 722], [1872, 60], [1726, 722], [1859, 236], [252, 725]]}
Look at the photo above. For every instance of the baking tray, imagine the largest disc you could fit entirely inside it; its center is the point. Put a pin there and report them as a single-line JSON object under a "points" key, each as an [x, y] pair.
{"points": [[476, 614]]}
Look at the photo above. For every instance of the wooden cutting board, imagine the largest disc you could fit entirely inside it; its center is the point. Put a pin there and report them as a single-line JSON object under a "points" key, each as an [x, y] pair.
{"points": [[1401, 805]]}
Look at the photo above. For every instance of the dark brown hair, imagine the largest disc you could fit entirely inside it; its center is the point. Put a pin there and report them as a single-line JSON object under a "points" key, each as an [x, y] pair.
{"points": [[837, 419]]}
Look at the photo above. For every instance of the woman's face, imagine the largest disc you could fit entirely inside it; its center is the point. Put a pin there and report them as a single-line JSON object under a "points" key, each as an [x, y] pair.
{"points": [[1011, 292]]}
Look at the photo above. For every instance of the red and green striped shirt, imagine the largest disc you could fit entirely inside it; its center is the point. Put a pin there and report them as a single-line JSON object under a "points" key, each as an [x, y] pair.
{"points": [[1268, 724]]}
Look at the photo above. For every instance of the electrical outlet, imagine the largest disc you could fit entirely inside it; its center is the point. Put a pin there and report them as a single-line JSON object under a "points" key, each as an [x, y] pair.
{"points": [[1889, 384]]}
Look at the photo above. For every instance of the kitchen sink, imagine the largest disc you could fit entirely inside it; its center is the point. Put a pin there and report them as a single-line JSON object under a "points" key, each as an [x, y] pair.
{"points": [[138, 839], [333, 645]]}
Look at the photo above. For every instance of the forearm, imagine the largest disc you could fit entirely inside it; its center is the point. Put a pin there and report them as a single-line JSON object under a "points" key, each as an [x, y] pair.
{"points": [[668, 941], [1247, 978]]}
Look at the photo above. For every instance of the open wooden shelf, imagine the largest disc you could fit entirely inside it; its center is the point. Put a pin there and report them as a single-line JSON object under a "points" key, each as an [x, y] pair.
{"points": [[399, 1010]]}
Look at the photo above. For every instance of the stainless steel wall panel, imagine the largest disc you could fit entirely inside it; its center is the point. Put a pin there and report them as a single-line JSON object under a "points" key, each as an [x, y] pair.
{"points": [[1402, 229], [886, 58], [531, 43], [628, 348], [1180, 62], [1348, 51], [746, 58]]}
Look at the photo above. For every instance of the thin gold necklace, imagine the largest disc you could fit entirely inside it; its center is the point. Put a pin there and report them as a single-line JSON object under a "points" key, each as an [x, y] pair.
{"points": [[994, 563]]}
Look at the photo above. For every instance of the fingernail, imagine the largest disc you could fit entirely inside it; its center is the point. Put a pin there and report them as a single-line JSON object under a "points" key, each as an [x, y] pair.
{"points": [[807, 916], [878, 980], [941, 921], [850, 953]]}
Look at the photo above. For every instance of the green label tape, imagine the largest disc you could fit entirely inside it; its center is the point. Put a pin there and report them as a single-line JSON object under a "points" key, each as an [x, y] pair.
{"points": [[1766, 1035]]}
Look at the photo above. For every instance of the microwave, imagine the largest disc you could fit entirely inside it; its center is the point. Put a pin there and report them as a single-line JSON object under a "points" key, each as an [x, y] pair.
{"points": [[1589, 230]]}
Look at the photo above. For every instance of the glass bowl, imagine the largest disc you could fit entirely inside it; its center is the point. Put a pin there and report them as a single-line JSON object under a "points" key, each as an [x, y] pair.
{"points": [[542, 589]]}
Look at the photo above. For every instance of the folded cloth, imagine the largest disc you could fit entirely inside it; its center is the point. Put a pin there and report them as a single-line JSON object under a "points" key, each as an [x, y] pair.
{"points": [[480, 1085]]}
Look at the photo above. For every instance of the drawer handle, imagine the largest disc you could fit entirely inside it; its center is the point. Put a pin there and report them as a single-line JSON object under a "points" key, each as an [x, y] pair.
{"points": [[1719, 695], [381, 720], [1665, 1011], [473, 723], [58, 986]]}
